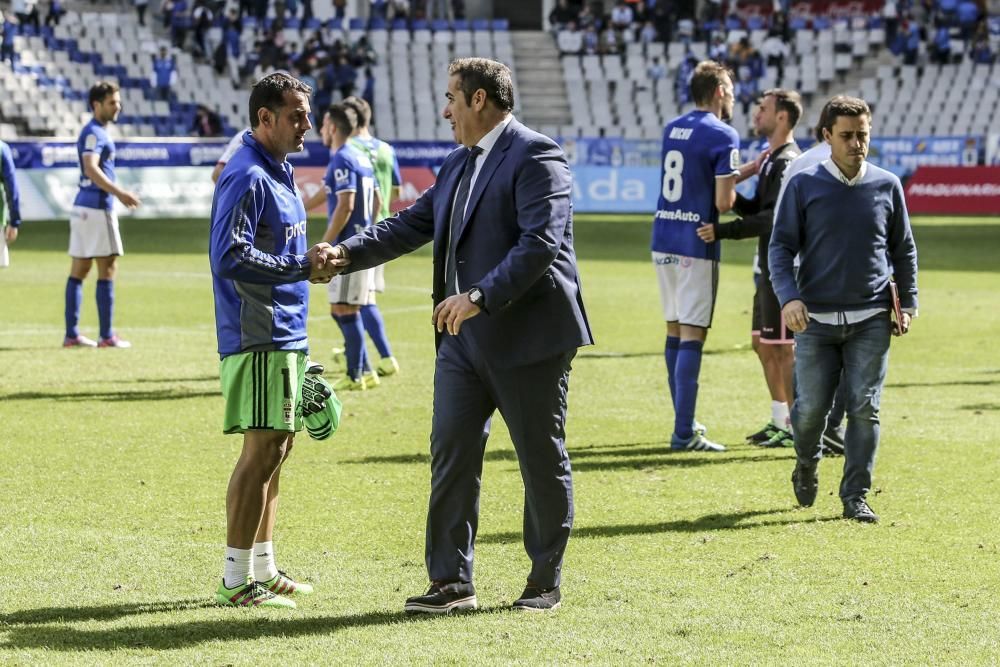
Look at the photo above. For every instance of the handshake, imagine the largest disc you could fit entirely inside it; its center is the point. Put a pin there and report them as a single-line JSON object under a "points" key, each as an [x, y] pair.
{"points": [[326, 261]]}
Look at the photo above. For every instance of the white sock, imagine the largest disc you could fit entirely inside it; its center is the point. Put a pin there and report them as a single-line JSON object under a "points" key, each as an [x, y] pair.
{"points": [[263, 561], [237, 566], [780, 415]]}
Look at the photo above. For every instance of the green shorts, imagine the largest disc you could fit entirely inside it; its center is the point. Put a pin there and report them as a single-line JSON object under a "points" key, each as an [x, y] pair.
{"points": [[263, 391]]}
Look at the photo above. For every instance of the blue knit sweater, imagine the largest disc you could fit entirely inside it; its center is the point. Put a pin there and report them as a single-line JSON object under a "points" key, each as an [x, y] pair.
{"points": [[850, 238]]}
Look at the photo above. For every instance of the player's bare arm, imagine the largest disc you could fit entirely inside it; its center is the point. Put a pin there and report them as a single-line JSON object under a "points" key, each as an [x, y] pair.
{"points": [[93, 171], [317, 198], [725, 193], [341, 214]]}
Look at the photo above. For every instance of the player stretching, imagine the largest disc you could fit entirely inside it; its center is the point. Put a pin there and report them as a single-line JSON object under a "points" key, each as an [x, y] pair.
{"points": [[352, 200], [700, 167], [383, 159], [93, 224], [775, 118], [259, 270]]}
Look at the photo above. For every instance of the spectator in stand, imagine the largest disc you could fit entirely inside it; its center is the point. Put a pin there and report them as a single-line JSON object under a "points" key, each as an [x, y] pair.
{"points": [[230, 46], [570, 40], [345, 76], [747, 88], [179, 21], [164, 74], [368, 93], [610, 43], [622, 17], [948, 9], [656, 70], [911, 47], [682, 83], [561, 16], [400, 9], [591, 41], [890, 16], [981, 53], [647, 34], [774, 50], [719, 49], [458, 9], [379, 9], [968, 17], [362, 53], [586, 18], [56, 12], [206, 123], [140, 10], [663, 20], [9, 31], [201, 21], [941, 46], [26, 12]]}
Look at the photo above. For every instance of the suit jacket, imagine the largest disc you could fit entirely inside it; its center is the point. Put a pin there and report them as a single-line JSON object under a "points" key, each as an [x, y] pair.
{"points": [[515, 243]]}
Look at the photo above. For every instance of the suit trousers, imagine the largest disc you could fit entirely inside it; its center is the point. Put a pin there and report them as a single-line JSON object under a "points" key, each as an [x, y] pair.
{"points": [[532, 401]]}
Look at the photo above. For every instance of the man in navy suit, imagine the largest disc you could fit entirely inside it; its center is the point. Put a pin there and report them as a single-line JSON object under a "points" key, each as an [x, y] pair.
{"points": [[509, 317]]}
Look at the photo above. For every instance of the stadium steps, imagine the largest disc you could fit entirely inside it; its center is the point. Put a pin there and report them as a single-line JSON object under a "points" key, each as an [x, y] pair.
{"points": [[540, 80]]}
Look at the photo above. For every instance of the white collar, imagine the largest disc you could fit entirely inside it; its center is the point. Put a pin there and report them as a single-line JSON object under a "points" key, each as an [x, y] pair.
{"points": [[489, 139], [839, 175]]}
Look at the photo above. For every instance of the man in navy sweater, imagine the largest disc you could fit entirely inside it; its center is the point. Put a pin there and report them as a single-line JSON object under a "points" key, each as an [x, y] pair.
{"points": [[847, 221]]}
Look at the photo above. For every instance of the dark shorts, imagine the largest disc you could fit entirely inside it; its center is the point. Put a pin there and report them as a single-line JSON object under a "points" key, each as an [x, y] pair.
{"points": [[755, 315], [772, 326]]}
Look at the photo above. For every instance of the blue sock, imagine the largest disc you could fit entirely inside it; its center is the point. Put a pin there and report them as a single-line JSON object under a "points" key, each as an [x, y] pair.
{"points": [[670, 353], [688, 368], [354, 341], [105, 306], [375, 327], [74, 295]]}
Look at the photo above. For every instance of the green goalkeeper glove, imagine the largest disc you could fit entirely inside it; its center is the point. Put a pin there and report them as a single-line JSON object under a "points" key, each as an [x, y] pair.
{"points": [[320, 407]]}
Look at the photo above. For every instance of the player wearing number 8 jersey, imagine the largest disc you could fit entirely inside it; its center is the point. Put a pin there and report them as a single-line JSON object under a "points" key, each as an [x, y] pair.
{"points": [[699, 174]]}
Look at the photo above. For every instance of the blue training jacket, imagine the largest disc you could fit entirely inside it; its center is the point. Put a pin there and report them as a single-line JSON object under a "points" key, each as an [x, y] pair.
{"points": [[257, 251]]}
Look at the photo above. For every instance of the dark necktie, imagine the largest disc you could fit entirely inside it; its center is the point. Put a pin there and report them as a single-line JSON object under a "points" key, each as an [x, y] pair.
{"points": [[457, 214]]}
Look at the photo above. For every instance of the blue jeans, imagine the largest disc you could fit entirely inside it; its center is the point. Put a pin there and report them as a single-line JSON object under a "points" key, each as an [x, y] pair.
{"points": [[856, 355]]}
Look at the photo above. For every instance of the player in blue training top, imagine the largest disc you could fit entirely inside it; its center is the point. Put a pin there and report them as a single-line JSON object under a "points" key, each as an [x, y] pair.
{"points": [[260, 266], [700, 168], [386, 166], [93, 223], [352, 200], [10, 201]]}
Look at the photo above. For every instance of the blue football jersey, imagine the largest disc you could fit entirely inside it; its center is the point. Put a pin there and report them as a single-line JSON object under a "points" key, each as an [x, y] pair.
{"points": [[697, 148], [95, 139], [350, 170]]}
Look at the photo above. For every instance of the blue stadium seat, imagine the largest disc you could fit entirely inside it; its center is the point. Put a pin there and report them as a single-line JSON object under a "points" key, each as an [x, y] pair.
{"points": [[377, 23], [798, 23], [756, 22], [314, 24], [420, 24], [440, 25], [460, 24], [356, 24], [399, 24], [335, 24], [500, 25], [480, 25]]}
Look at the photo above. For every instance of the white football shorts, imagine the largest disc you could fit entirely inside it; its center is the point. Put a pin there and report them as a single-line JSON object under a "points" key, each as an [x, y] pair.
{"points": [[93, 232], [687, 288], [355, 289], [379, 278]]}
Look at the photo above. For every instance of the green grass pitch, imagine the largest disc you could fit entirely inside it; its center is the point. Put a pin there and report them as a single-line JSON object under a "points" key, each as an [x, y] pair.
{"points": [[114, 472]]}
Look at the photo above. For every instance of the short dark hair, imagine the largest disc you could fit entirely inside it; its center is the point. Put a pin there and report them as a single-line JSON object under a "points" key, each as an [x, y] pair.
{"points": [[343, 117], [490, 75], [100, 92], [361, 107], [707, 77], [843, 105], [788, 101], [269, 93]]}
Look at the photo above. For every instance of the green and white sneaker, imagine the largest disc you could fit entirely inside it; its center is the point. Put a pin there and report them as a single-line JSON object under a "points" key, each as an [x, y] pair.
{"points": [[339, 358], [763, 435], [251, 594], [781, 438], [387, 366], [282, 584]]}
